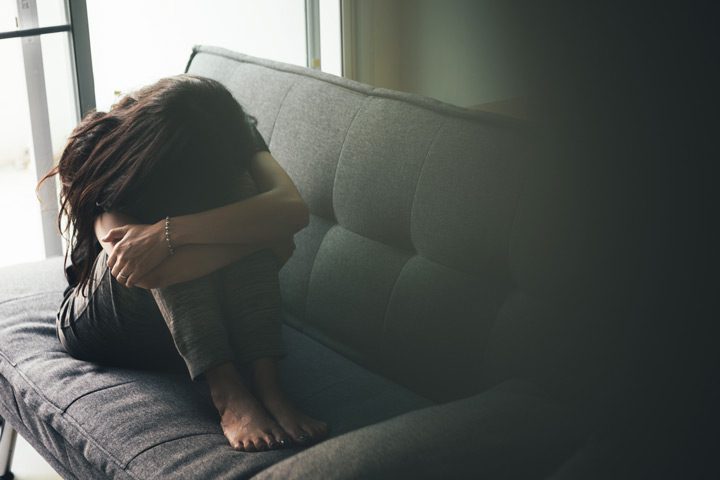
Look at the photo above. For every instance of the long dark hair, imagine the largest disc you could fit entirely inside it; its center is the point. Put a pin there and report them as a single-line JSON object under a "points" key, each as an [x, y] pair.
{"points": [[109, 155]]}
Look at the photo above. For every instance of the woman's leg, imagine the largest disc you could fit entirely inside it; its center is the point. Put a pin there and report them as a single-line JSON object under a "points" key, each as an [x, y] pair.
{"points": [[191, 310], [196, 321], [194, 317], [113, 325], [251, 296], [125, 327], [244, 420]]}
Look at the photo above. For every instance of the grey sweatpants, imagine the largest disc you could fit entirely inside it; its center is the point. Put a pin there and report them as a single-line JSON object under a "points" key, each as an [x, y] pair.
{"points": [[232, 314]]}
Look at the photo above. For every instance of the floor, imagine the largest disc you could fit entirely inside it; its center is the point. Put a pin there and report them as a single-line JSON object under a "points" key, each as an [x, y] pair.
{"points": [[29, 465], [19, 208]]}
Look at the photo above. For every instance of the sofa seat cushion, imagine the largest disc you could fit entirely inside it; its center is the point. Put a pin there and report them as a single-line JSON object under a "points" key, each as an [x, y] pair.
{"points": [[511, 431], [125, 423]]}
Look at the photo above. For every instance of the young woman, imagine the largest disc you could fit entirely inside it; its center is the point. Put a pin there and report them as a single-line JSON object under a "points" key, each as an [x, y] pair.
{"points": [[180, 220]]}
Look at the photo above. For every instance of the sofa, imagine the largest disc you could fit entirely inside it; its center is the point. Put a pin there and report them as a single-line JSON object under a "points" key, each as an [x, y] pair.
{"points": [[439, 310]]}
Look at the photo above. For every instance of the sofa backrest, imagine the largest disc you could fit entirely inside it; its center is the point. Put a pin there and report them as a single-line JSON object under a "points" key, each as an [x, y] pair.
{"points": [[420, 262]]}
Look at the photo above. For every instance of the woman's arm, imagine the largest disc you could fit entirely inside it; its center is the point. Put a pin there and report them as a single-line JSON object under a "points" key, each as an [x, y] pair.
{"points": [[278, 211], [269, 218], [188, 262]]}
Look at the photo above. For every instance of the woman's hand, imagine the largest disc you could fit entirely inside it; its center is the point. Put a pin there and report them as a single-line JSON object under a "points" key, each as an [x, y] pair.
{"points": [[137, 249]]}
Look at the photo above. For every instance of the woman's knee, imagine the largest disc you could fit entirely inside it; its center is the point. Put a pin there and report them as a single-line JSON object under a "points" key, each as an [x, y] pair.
{"points": [[262, 264], [252, 284], [190, 300]]}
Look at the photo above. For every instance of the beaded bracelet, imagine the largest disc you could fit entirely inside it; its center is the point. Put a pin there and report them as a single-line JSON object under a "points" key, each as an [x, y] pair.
{"points": [[167, 236]]}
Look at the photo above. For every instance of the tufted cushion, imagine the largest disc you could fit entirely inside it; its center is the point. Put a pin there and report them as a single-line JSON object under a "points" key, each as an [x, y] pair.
{"points": [[404, 266], [436, 256]]}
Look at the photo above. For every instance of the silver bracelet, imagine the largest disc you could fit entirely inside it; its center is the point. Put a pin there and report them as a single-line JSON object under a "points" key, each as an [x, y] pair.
{"points": [[167, 236]]}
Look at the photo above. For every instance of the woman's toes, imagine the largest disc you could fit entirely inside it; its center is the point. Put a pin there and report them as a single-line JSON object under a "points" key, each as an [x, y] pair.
{"points": [[260, 444], [269, 441], [303, 437], [282, 437], [295, 434], [249, 446]]}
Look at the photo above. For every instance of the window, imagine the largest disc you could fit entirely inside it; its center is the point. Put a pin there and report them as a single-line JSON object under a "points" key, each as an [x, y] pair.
{"points": [[38, 109], [51, 76], [136, 42]]}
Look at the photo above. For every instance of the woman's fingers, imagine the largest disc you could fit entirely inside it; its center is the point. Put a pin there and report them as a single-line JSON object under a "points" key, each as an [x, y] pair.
{"points": [[116, 256], [137, 249], [131, 280], [134, 275], [126, 277], [115, 234], [120, 272]]}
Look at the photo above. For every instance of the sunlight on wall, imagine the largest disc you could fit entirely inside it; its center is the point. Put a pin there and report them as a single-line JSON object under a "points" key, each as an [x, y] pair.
{"points": [[21, 238], [136, 42], [330, 42], [133, 42]]}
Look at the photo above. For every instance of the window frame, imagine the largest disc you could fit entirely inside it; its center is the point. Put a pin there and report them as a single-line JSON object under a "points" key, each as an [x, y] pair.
{"points": [[81, 68]]}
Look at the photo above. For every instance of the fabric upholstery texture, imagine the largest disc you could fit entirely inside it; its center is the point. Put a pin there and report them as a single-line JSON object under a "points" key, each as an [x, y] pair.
{"points": [[403, 191], [510, 431], [95, 422], [419, 280]]}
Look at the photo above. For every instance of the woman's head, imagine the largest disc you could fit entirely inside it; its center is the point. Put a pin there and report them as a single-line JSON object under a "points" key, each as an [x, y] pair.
{"points": [[173, 123]]}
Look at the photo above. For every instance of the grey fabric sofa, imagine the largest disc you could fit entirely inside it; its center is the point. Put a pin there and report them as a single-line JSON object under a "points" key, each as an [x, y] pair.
{"points": [[434, 308]]}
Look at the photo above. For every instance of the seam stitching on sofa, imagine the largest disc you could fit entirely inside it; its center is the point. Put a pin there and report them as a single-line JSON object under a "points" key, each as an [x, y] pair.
{"points": [[167, 441], [68, 445], [107, 387], [282, 102], [14, 299], [71, 421], [420, 173], [365, 101], [312, 269], [7, 359], [332, 204], [16, 370], [387, 307]]}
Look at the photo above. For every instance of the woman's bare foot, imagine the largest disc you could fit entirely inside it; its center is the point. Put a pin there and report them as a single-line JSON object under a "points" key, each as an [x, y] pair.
{"points": [[244, 421], [301, 428]]}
